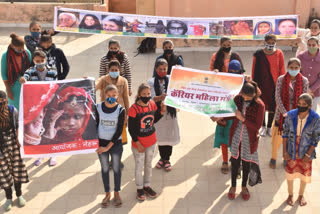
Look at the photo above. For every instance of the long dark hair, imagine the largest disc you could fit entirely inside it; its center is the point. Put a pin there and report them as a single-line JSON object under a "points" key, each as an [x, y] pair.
{"points": [[219, 61], [96, 26], [250, 88]]}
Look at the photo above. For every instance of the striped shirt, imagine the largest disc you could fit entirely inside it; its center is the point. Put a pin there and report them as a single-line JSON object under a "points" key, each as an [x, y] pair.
{"points": [[125, 68], [32, 74]]}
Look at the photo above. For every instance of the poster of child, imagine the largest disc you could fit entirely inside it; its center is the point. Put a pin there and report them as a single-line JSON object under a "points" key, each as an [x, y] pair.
{"points": [[57, 118]]}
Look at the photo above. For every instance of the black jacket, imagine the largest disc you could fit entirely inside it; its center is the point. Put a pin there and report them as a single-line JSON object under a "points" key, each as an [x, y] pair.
{"points": [[56, 59]]}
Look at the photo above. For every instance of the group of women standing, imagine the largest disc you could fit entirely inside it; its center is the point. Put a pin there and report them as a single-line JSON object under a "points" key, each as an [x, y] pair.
{"points": [[291, 99], [291, 122]]}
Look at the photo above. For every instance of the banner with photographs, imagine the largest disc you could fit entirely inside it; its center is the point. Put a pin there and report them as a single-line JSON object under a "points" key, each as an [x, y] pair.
{"points": [[97, 22], [203, 92], [57, 118]]}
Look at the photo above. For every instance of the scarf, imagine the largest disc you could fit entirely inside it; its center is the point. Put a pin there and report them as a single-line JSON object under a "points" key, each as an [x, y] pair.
{"points": [[13, 69], [4, 115], [171, 111], [285, 94], [172, 61], [263, 76]]}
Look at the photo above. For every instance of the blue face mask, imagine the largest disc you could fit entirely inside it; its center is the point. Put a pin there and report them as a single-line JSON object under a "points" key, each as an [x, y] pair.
{"points": [[114, 75], [293, 73], [35, 34], [111, 100]]}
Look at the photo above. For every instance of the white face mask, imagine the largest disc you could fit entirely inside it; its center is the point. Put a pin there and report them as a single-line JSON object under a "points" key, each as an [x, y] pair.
{"points": [[269, 47], [40, 65]]}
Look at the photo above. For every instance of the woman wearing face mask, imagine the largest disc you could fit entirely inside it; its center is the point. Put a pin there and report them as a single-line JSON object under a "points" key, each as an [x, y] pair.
{"points": [[168, 54], [110, 120], [267, 66], [167, 128], [14, 62], [55, 56], [220, 60], [143, 114], [301, 134], [310, 68], [305, 34], [244, 137], [114, 53], [114, 78], [32, 41], [40, 72], [289, 87]]}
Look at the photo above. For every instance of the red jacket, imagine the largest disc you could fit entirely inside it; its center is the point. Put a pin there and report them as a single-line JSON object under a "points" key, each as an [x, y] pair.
{"points": [[253, 121]]}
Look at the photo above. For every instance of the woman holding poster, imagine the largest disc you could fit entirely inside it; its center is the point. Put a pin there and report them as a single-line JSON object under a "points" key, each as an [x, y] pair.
{"points": [[167, 128], [244, 138]]}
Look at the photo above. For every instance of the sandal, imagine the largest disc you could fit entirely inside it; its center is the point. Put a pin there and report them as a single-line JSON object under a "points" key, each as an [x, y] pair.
{"points": [[160, 164], [117, 202], [224, 168], [167, 166], [272, 164], [290, 200], [232, 195], [245, 194], [105, 202], [302, 201]]}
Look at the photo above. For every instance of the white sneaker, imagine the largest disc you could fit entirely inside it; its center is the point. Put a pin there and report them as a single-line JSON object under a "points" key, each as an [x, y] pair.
{"points": [[263, 131], [269, 132]]}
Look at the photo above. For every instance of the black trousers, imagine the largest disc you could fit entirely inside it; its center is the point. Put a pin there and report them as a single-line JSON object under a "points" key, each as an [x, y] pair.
{"points": [[235, 165], [165, 152], [270, 119], [17, 187]]}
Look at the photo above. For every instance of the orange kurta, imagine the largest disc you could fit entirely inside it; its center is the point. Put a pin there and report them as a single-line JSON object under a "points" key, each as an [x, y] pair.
{"points": [[276, 62], [226, 63]]}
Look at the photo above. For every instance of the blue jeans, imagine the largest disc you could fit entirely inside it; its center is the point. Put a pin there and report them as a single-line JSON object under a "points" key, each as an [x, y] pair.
{"points": [[115, 152]]}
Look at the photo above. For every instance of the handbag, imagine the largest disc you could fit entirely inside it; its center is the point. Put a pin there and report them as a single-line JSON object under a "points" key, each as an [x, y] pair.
{"points": [[254, 174]]}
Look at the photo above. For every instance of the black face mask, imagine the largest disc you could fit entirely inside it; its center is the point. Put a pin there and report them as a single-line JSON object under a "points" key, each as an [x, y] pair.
{"points": [[114, 52], [168, 51], [46, 49], [145, 100], [302, 109], [226, 50]]}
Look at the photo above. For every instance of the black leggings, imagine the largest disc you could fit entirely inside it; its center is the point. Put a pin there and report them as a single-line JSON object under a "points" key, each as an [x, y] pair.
{"points": [[270, 119], [165, 152], [17, 187], [235, 165]]}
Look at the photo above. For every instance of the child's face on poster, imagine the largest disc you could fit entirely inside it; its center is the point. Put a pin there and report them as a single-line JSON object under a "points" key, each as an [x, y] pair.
{"points": [[34, 128], [72, 119]]}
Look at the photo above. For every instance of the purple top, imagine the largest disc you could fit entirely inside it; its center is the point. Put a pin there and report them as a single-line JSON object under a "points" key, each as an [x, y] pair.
{"points": [[310, 68]]}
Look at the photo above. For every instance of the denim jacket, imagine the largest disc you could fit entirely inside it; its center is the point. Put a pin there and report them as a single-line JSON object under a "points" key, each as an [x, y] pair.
{"points": [[310, 135]]}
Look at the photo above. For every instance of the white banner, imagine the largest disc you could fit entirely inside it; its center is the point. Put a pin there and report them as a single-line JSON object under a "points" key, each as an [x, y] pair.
{"points": [[97, 22]]}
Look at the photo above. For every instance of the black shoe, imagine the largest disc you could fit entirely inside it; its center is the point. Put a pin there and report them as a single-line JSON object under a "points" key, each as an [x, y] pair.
{"points": [[140, 195], [150, 192]]}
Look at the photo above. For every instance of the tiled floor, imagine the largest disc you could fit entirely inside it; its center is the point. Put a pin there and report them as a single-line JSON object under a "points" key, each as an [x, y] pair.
{"points": [[194, 186]]}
